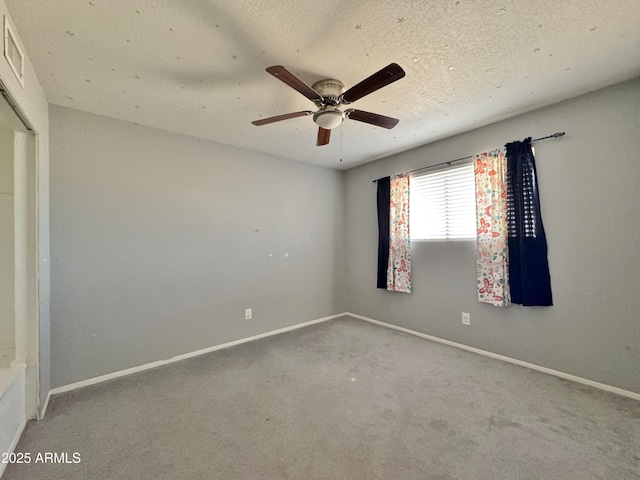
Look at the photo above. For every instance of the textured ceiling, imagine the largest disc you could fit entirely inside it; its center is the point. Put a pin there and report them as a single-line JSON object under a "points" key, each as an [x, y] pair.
{"points": [[197, 66]]}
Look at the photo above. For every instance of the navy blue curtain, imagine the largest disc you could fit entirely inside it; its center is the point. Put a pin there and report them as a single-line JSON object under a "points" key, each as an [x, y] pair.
{"points": [[529, 278], [384, 199]]}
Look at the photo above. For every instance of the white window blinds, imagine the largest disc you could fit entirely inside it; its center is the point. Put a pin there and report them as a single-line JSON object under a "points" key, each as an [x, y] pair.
{"points": [[442, 204]]}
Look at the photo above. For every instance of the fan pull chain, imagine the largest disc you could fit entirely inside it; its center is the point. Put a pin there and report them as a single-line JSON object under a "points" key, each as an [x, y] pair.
{"points": [[340, 143]]}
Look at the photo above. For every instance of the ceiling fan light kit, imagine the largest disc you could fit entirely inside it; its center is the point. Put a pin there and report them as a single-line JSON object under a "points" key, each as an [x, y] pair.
{"points": [[329, 94], [328, 118]]}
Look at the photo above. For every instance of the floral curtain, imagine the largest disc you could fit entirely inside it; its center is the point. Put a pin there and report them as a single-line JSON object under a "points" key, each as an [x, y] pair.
{"points": [[492, 240], [399, 266]]}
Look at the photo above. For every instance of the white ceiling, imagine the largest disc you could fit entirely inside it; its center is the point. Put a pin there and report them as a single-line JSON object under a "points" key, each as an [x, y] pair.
{"points": [[198, 66]]}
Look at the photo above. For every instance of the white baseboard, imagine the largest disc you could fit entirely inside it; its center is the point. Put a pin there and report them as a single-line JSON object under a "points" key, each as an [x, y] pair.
{"points": [[43, 409], [532, 366], [148, 366], [159, 363]]}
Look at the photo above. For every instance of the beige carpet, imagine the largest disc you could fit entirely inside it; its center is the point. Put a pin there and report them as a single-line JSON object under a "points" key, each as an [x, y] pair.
{"points": [[340, 400]]}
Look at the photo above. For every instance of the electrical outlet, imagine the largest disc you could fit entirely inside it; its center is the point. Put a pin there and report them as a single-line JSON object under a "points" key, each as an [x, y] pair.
{"points": [[248, 314], [466, 319]]}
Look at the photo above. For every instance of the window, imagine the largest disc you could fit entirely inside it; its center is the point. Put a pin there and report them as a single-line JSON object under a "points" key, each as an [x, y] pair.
{"points": [[443, 204]]}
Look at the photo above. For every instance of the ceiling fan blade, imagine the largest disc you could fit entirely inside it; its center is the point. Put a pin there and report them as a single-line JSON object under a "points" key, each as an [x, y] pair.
{"points": [[323, 136], [372, 118], [387, 75], [277, 118], [294, 82]]}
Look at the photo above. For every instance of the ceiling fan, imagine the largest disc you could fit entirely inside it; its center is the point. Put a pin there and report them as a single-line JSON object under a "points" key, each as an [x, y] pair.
{"points": [[329, 95]]}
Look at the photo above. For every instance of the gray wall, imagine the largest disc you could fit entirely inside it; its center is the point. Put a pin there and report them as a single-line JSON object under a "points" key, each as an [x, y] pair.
{"points": [[590, 195], [160, 241]]}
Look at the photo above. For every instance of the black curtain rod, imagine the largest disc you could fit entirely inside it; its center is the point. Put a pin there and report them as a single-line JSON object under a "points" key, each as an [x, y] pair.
{"points": [[555, 135]]}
